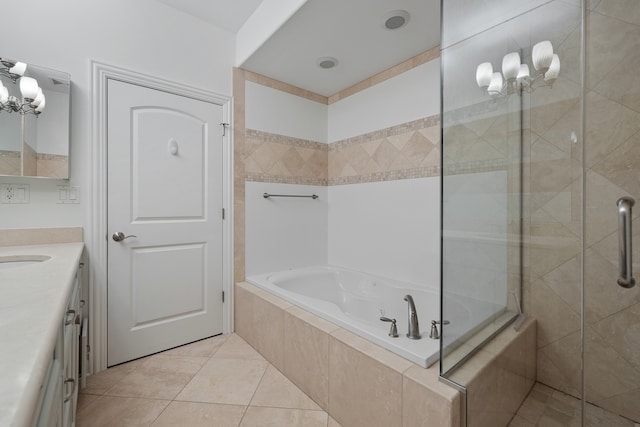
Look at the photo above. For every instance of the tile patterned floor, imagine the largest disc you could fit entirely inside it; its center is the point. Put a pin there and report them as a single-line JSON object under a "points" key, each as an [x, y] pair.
{"points": [[546, 407], [220, 381]]}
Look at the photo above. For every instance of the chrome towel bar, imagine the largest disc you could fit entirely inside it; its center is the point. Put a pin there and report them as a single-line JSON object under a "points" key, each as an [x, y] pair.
{"points": [[267, 195]]}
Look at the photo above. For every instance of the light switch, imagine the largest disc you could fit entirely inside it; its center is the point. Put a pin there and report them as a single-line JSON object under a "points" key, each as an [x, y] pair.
{"points": [[68, 195]]}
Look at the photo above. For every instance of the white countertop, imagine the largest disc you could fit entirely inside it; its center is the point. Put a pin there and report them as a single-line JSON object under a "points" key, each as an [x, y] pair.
{"points": [[33, 300]]}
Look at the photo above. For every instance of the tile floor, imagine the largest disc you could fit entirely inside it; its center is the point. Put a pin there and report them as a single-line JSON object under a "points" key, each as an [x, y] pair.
{"points": [[546, 407], [221, 381]]}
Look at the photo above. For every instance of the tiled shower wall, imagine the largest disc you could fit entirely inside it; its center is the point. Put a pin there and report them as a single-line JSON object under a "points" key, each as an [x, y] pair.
{"points": [[406, 151], [554, 199]]}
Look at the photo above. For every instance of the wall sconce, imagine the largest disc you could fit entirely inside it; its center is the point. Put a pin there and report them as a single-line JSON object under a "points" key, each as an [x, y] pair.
{"points": [[33, 100], [515, 75]]}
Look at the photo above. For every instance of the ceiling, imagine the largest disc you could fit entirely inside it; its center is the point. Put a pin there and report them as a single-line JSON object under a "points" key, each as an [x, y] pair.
{"points": [[227, 14], [351, 31]]}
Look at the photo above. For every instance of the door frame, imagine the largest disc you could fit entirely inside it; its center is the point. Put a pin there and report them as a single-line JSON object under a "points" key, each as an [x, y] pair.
{"points": [[100, 74]]}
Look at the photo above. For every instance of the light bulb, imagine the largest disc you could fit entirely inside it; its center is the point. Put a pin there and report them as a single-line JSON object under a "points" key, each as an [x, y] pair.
{"points": [[511, 65], [523, 73], [28, 87], [4, 95], [484, 72], [18, 69], [542, 55], [495, 87], [40, 107], [38, 99], [554, 69]]}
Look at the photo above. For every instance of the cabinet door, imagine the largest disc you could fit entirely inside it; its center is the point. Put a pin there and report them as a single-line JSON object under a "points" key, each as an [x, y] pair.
{"points": [[51, 410]]}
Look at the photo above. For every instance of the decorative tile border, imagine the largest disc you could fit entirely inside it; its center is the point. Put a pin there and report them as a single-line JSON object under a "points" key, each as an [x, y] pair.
{"points": [[406, 151], [281, 179], [10, 154], [287, 140], [387, 132]]}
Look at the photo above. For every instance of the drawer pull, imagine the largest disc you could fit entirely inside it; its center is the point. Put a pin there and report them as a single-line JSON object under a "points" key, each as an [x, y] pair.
{"points": [[73, 389]]}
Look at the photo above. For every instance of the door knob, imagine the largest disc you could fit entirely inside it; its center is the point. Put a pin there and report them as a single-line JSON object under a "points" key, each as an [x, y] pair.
{"points": [[119, 236]]}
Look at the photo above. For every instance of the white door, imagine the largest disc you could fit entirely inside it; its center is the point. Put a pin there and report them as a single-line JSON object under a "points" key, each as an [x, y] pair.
{"points": [[165, 181]]}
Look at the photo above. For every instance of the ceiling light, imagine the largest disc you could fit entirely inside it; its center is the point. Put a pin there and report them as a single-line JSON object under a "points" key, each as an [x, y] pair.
{"points": [[327, 62], [396, 19]]}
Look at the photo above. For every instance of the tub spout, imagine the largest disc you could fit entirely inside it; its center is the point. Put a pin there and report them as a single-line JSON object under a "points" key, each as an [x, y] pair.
{"points": [[414, 327]]}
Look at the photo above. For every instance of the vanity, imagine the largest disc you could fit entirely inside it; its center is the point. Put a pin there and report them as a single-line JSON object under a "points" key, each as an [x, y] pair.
{"points": [[41, 321]]}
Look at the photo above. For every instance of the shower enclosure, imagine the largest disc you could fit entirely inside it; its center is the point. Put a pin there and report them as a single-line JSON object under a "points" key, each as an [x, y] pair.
{"points": [[534, 162]]}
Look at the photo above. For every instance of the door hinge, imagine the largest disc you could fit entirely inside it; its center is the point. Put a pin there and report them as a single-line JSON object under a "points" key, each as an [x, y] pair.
{"points": [[222, 213], [224, 128], [222, 296]]}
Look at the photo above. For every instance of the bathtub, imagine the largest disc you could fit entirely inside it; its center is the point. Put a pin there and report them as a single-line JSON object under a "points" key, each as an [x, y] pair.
{"points": [[356, 301]]}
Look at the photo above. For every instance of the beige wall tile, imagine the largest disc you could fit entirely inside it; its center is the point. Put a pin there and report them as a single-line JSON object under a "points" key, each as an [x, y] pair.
{"points": [[428, 402], [40, 236], [371, 395], [306, 356]]}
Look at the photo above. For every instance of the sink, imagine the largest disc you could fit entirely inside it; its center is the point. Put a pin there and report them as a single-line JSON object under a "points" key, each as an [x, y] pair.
{"points": [[13, 261]]}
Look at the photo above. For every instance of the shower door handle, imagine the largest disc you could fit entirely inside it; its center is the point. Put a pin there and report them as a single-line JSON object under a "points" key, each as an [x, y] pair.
{"points": [[625, 258]]}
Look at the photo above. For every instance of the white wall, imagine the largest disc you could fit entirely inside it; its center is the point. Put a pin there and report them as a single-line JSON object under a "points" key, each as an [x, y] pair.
{"points": [[284, 233], [409, 96], [143, 35], [388, 228], [274, 111]]}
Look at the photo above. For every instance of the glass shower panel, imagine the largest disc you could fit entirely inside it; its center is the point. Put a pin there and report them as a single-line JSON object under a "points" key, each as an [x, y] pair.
{"points": [[612, 170], [511, 174], [481, 181]]}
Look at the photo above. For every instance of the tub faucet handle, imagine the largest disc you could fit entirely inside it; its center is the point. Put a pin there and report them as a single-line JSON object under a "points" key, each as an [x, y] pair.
{"points": [[393, 332], [434, 335]]}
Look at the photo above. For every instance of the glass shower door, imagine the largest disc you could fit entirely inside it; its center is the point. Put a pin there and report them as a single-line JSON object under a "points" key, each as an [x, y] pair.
{"points": [[612, 171]]}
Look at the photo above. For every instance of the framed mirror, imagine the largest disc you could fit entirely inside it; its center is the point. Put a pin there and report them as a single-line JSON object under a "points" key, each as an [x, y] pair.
{"points": [[34, 120]]}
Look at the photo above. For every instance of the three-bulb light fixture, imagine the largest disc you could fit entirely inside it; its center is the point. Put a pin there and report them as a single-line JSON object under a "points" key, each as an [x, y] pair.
{"points": [[515, 75], [33, 100]]}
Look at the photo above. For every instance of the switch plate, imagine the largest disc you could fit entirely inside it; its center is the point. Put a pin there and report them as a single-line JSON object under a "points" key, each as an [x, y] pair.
{"points": [[68, 195], [14, 193]]}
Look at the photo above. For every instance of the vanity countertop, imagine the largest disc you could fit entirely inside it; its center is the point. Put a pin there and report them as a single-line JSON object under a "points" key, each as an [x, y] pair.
{"points": [[33, 299]]}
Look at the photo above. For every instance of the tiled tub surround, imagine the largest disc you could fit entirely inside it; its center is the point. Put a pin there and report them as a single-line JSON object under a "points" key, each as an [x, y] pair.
{"points": [[355, 381], [355, 301], [406, 151]]}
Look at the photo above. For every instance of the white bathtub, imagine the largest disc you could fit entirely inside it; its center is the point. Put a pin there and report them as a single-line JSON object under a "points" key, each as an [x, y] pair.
{"points": [[355, 301]]}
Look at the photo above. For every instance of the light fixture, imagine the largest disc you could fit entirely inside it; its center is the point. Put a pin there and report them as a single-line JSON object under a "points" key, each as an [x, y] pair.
{"points": [[396, 19], [33, 100], [12, 69], [516, 76], [326, 62]]}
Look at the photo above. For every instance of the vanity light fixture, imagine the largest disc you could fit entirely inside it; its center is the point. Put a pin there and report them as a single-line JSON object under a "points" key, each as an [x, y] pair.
{"points": [[12, 69], [516, 76], [33, 100]]}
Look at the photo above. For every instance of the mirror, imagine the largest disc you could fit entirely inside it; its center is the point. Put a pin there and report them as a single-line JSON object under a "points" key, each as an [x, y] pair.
{"points": [[34, 127]]}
